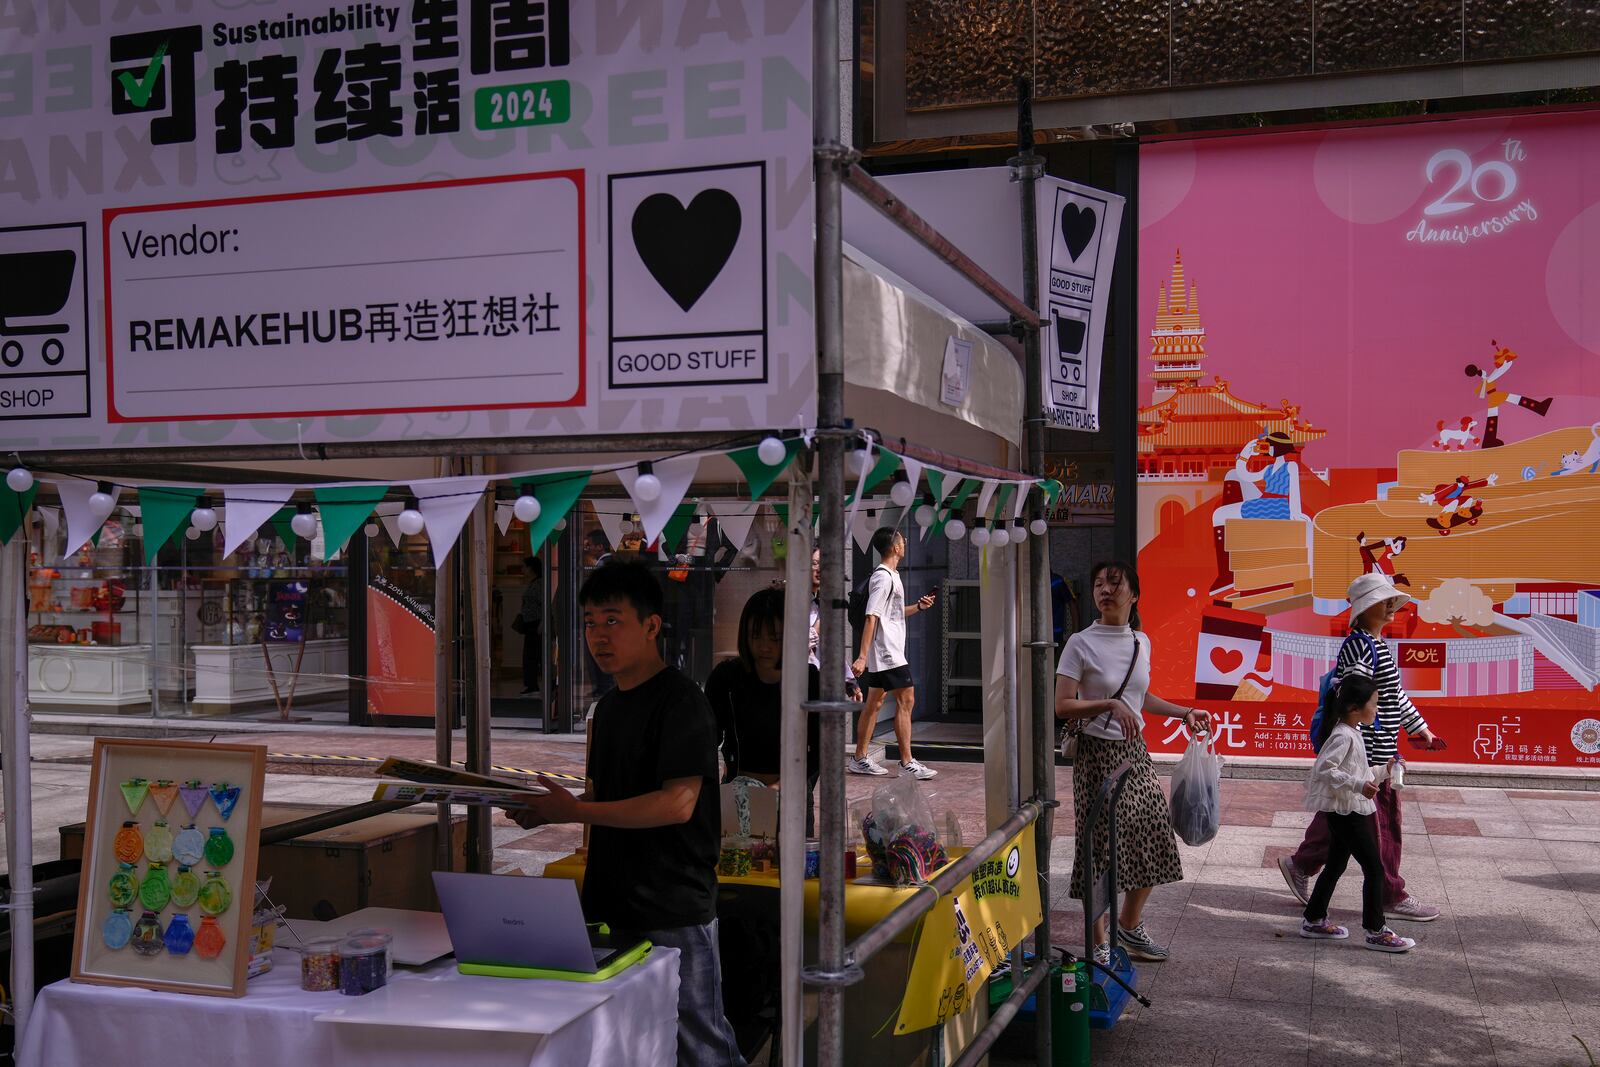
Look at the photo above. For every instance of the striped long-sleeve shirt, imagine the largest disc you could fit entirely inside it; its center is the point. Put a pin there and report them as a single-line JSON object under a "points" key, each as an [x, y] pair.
{"points": [[1395, 710]]}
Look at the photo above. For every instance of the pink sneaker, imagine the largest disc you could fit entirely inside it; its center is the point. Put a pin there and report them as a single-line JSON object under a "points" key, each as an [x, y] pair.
{"points": [[1323, 930], [1411, 910], [1298, 883], [1386, 940]]}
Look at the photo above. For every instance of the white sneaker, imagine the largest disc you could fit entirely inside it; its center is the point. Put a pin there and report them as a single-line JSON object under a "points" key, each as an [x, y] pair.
{"points": [[918, 771], [868, 765]]}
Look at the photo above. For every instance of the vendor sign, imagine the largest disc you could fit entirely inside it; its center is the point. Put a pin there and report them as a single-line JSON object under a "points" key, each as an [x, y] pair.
{"points": [[375, 222], [968, 933]]}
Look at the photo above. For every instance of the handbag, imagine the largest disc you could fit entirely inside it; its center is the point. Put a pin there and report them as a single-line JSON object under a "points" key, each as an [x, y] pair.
{"points": [[1068, 744]]}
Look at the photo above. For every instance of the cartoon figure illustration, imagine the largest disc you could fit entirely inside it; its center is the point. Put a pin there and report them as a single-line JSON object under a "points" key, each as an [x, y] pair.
{"points": [[1456, 440], [1573, 462], [1277, 496], [1488, 390], [1377, 556], [1456, 503]]}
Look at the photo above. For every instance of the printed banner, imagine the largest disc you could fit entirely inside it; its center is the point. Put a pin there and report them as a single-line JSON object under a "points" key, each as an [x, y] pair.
{"points": [[1078, 228], [968, 932], [400, 652], [360, 222], [1396, 368]]}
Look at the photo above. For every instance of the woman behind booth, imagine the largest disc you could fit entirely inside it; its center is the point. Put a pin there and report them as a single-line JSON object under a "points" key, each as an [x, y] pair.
{"points": [[1102, 688]]}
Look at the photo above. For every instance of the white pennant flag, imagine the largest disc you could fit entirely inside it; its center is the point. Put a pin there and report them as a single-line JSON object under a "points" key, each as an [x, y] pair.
{"points": [[735, 518], [388, 513], [675, 475], [247, 508], [446, 503], [866, 524], [947, 485], [913, 475], [610, 521], [503, 515], [985, 495], [1020, 499], [861, 482], [82, 523]]}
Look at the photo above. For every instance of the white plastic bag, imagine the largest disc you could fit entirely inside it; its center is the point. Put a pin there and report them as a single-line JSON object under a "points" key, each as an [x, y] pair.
{"points": [[1196, 804]]}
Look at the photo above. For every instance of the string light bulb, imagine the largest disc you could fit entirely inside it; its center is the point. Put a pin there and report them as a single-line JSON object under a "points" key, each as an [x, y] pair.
{"points": [[204, 516], [902, 493], [955, 529], [1039, 526], [411, 521], [925, 515], [527, 508], [19, 480], [102, 501], [860, 460], [980, 533], [771, 451], [647, 487], [1000, 538], [304, 522], [370, 529], [1019, 531]]}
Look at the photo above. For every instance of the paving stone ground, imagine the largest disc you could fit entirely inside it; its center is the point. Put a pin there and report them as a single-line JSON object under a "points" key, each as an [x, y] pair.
{"points": [[1505, 978]]}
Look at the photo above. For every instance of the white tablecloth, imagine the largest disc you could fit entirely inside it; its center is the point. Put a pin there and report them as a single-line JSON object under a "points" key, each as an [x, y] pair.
{"points": [[274, 1025]]}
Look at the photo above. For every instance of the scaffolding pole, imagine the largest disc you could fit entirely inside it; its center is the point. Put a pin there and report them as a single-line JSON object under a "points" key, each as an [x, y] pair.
{"points": [[15, 738], [792, 781]]}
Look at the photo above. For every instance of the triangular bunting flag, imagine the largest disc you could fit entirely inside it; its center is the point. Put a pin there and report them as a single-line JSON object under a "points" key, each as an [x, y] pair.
{"points": [[675, 476], [82, 523], [758, 474], [1052, 489], [248, 507], [985, 496], [866, 524], [1000, 503], [445, 509], [677, 526], [913, 475], [14, 509], [735, 518], [281, 526], [942, 484], [344, 510], [51, 518], [503, 515], [165, 510], [556, 492], [1021, 499], [887, 462], [957, 501], [610, 521]]}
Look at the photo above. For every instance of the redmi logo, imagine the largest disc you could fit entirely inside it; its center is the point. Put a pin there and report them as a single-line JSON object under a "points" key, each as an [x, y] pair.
{"points": [[512, 922]]}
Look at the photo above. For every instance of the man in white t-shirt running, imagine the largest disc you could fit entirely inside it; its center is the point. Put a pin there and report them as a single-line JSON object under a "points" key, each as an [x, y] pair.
{"points": [[882, 666]]}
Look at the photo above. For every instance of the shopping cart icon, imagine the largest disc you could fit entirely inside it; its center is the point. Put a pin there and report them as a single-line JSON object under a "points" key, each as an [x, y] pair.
{"points": [[34, 285]]}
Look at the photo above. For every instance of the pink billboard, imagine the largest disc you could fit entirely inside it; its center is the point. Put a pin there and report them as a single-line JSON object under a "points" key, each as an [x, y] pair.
{"points": [[1376, 349]]}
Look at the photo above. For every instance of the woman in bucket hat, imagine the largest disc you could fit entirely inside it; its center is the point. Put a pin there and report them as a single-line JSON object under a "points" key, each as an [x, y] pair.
{"points": [[1373, 603]]}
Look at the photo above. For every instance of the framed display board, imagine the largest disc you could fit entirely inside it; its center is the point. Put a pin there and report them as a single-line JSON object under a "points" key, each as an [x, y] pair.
{"points": [[169, 865]]}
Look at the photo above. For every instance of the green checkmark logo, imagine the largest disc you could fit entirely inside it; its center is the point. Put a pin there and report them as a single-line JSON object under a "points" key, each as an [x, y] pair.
{"points": [[140, 89]]}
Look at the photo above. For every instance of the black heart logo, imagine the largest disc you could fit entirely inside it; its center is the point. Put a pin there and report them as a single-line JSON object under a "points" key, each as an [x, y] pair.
{"points": [[685, 248], [1077, 226], [1069, 335]]}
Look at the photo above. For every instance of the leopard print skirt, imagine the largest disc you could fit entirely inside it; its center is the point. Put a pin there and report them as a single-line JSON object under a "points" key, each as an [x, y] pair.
{"points": [[1147, 850]]}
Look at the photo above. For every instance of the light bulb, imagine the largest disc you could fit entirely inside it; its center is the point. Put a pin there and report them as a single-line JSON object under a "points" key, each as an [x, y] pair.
{"points": [[526, 508], [1039, 527], [561, 524], [101, 502], [980, 534], [625, 526], [955, 529], [925, 515], [20, 480], [1000, 538], [410, 520], [646, 487], [860, 460], [1019, 532], [771, 451], [304, 524], [370, 529], [902, 493], [204, 516], [192, 533]]}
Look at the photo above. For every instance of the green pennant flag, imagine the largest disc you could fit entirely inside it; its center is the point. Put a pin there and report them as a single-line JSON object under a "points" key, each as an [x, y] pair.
{"points": [[953, 506], [164, 510], [556, 493], [672, 533], [935, 479], [1000, 502], [14, 509], [344, 509], [887, 462], [783, 512], [1052, 489], [281, 524], [758, 474]]}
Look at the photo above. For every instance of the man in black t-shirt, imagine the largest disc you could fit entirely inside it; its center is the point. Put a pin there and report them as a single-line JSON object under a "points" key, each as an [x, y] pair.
{"points": [[653, 804]]}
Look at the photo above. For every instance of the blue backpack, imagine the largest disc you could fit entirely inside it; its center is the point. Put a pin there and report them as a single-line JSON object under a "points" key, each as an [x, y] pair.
{"points": [[1330, 681]]}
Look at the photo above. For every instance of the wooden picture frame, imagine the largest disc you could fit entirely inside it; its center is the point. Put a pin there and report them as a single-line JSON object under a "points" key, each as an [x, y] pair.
{"points": [[118, 760]]}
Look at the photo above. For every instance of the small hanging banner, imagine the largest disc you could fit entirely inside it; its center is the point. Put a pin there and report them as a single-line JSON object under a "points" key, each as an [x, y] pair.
{"points": [[14, 509], [248, 506], [675, 476], [344, 510], [758, 474], [446, 510], [82, 523], [677, 526], [165, 510], [556, 493]]}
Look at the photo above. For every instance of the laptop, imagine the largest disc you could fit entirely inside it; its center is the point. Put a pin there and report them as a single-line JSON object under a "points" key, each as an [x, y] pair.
{"points": [[508, 926]]}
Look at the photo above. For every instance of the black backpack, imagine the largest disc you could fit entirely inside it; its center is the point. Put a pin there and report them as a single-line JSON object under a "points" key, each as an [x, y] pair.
{"points": [[855, 609]]}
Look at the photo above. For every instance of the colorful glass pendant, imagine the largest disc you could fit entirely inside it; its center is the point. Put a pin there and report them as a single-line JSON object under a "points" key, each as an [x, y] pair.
{"points": [[129, 843], [194, 796], [163, 791], [185, 888], [219, 847], [209, 940], [225, 796], [133, 791], [124, 886], [180, 936], [147, 935], [117, 930], [215, 896], [156, 891], [158, 843], [189, 847]]}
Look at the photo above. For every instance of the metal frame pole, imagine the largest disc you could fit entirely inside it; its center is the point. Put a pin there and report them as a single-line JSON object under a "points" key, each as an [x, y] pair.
{"points": [[792, 783], [480, 832], [444, 632], [1027, 168], [18, 771]]}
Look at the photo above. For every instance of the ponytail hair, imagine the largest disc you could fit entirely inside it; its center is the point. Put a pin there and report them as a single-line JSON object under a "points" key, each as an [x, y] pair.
{"points": [[1353, 691]]}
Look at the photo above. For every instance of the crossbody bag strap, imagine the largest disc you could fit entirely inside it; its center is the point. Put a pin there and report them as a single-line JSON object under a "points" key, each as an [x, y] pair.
{"points": [[1078, 724]]}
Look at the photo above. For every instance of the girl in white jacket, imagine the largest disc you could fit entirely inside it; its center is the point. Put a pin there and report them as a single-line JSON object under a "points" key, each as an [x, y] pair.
{"points": [[1342, 786]]}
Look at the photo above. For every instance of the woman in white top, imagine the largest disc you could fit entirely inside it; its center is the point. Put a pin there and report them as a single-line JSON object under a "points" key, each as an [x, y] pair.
{"points": [[1102, 688], [1342, 786]]}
